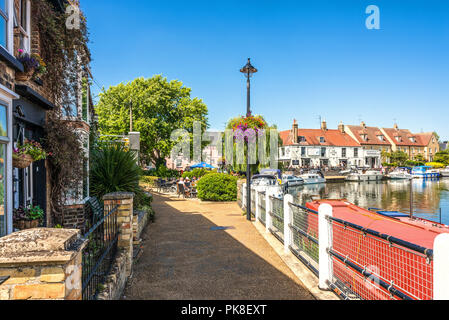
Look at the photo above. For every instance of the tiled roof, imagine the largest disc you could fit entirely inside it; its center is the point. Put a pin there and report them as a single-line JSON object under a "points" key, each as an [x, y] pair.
{"points": [[312, 138], [424, 138], [405, 136], [371, 132]]}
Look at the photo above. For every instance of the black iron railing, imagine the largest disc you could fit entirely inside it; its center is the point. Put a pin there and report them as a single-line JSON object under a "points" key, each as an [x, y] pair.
{"points": [[99, 253]]}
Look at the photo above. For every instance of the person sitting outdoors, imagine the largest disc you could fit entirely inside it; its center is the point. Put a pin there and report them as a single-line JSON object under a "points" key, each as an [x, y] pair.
{"points": [[187, 187]]}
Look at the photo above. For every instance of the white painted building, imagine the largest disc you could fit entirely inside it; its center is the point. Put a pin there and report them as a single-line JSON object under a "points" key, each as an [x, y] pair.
{"points": [[319, 148]]}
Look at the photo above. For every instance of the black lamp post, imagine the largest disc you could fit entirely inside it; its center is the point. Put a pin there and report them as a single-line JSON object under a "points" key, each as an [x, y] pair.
{"points": [[248, 70]]}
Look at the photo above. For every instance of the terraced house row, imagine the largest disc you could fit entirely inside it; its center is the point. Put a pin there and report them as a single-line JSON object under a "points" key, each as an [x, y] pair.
{"points": [[25, 101], [352, 145]]}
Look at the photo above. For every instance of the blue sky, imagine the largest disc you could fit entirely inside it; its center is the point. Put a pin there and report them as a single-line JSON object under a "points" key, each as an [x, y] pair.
{"points": [[315, 58]]}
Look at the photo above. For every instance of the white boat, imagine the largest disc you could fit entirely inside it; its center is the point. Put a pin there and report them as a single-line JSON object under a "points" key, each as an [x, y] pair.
{"points": [[365, 175], [425, 172], [400, 174], [313, 178], [292, 181], [264, 180], [445, 172]]}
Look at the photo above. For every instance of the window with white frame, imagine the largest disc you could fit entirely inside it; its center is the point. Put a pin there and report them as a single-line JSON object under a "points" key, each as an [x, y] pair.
{"points": [[5, 24], [22, 23]]}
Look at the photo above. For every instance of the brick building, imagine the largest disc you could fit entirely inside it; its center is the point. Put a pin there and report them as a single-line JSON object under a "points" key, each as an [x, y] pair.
{"points": [[23, 108]]}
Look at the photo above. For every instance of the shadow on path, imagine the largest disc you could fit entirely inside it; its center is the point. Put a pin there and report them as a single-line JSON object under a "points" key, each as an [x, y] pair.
{"points": [[183, 258]]}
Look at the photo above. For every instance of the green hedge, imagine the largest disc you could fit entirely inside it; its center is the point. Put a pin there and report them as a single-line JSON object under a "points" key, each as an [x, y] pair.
{"points": [[217, 187], [149, 180], [198, 172], [162, 172]]}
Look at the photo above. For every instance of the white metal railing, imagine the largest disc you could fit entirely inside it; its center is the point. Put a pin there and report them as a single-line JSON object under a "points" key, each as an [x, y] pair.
{"points": [[355, 262]]}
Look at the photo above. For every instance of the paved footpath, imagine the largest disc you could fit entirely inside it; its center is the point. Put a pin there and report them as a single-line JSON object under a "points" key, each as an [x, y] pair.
{"points": [[183, 258]]}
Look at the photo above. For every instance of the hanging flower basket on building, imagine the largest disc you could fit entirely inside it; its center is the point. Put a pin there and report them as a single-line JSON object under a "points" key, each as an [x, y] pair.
{"points": [[25, 154], [32, 64], [22, 161], [24, 76]]}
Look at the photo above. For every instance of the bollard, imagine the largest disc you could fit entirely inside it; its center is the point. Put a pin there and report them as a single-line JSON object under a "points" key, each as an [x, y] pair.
{"points": [[325, 243], [441, 267], [288, 219]]}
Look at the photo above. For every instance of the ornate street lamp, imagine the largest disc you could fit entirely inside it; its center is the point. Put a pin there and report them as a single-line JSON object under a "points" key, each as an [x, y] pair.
{"points": [[248, 70]]}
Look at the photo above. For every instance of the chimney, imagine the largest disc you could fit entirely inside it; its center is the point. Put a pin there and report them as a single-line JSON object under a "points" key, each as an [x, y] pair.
{"points": [[396, 126], [363, 124], [341, 127], [295, 131], [324, 125]]}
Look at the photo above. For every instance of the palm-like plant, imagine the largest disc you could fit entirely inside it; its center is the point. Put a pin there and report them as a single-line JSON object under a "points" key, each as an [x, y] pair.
{"points": [[114, 169]]}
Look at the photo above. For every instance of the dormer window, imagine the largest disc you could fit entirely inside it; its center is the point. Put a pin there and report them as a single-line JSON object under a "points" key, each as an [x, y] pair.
{"points": [[412, 139], [398, 139], [364, 137], [381, 137], [322, 140]]}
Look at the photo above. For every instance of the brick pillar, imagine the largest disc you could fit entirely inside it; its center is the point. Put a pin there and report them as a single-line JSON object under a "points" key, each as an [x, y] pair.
{"points": [[42, 264], [124, 200]]}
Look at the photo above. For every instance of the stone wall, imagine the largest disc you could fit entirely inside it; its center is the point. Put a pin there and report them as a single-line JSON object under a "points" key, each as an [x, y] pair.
{"points": [[140, 221], [124, 200], [116, 281], [41, 265]]}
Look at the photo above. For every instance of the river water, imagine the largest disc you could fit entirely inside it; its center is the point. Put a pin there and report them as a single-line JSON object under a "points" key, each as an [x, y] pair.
{"points": [[429, 196]]}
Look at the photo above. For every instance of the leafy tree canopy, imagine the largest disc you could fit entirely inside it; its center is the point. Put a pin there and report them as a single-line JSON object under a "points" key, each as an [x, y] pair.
{"points": [[442, 157], [159, 106]]}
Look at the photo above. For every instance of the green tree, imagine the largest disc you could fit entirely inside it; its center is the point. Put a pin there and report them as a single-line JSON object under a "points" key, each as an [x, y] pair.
{"points": [[159, 106], [397, 157], [442, 157]]}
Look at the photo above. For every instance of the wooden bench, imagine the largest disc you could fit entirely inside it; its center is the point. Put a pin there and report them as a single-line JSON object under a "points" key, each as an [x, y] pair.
{"points": [[96, 207]]}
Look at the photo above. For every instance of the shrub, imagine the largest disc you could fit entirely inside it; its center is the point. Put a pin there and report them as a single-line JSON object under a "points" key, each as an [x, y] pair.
{"points": [[198, 172], [436, 165], [149, 180], [114, 169], [162, 172], [413, 163], [217, 187]]}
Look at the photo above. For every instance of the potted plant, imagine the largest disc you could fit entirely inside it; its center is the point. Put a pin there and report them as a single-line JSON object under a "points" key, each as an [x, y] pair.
{"points": [[33, 66], [27, 153], [28, 218]]}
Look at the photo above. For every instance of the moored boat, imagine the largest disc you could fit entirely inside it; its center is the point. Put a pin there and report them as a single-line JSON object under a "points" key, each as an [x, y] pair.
{"points": [[445, 172], [364, 175], [400, 174], [292, 181], [313, 178], [425, 172]]}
